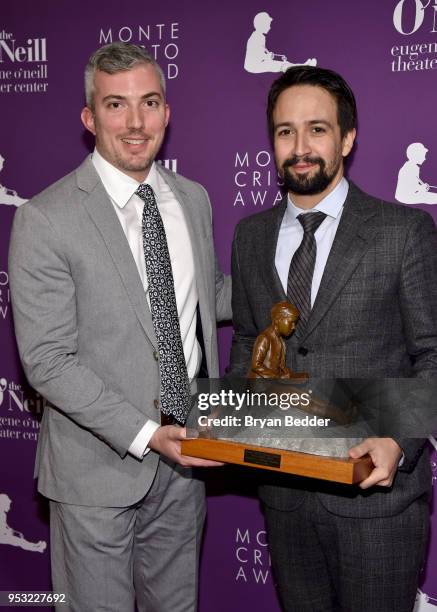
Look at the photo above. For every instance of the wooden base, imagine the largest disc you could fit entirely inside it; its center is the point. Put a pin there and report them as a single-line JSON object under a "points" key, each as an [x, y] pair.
{"points": [[347, 471]]}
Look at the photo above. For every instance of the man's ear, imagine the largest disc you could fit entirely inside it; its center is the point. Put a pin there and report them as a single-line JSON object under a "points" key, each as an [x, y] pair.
{"points": [[87, 117], [348, 142]]}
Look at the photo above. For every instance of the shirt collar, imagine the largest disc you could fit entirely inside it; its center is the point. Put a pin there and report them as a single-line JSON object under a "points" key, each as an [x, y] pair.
{"points": [[331, 205], [119, 185]]}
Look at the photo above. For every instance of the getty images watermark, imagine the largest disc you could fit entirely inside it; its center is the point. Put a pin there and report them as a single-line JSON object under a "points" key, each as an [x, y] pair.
{"points": [[228, 399]]}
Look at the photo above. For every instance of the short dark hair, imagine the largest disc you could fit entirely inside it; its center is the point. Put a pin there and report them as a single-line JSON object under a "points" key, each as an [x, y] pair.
{"points": [[329, 80]]}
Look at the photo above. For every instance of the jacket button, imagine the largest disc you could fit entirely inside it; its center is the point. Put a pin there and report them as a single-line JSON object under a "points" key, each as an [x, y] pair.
{"points": [[156, 355], [302, 351], [156, 404]]}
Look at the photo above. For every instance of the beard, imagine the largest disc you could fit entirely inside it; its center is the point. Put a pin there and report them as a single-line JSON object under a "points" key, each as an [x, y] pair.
{"points": [[309, 184], [134, 165]]}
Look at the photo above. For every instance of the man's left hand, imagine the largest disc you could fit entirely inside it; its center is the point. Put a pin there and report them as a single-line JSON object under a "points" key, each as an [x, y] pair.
{"points": [[385, 454]]}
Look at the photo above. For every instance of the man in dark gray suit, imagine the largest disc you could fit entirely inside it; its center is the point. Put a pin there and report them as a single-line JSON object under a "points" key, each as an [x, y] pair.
{"points": [[112, 269], [363, 273]]}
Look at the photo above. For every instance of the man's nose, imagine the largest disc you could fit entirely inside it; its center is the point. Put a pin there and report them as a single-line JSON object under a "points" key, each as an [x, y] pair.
{"points": [[302, 144], [135, 118]]}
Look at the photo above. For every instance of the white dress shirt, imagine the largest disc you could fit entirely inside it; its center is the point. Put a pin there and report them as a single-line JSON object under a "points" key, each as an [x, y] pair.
{"points": [[291, 235], [129, 209]]}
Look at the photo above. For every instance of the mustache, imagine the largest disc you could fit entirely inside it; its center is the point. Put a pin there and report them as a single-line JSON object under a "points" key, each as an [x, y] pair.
{"points": [[135, 133], [296, 159]]}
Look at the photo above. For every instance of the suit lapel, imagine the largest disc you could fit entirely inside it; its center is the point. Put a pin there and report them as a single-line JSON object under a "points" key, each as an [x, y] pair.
{"points": [[353, 238], [266, 251], [190, 210], [100, 209], [205, 286]]}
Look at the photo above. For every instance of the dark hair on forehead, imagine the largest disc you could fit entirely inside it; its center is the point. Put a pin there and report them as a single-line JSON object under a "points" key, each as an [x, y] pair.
{"points": [[329, 80]]}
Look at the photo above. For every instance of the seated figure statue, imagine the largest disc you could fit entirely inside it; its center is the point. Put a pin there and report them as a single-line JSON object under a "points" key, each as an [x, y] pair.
{"points": [[268, 356]]}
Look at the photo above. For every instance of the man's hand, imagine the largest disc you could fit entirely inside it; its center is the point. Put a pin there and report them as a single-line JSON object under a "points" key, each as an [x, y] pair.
{"points": [[167, 441], [385, 454]]}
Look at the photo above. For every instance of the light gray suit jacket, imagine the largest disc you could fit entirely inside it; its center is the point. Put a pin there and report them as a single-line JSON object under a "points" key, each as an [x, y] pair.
{"points": [[86, 336], [375, 316]]}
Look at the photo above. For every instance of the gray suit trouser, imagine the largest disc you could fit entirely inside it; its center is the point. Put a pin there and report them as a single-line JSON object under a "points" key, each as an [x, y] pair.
{"points": [[108, 559], [334, 563]]}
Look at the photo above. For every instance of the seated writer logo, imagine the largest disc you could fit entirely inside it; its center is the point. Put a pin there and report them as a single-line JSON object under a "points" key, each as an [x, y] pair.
{"points": [[9, 196], [11, 536], [411, 189], [258, 58]]}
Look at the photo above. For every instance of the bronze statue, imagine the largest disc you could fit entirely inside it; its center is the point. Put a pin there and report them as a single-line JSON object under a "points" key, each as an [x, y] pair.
{"points": [[268, 356], [268, 362]]}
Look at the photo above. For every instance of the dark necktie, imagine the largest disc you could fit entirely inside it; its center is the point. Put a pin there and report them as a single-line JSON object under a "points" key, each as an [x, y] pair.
{"points": [[175, 387], [300, 274]]}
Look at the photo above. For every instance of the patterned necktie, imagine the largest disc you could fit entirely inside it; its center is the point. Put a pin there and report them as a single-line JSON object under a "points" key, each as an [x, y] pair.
{"points": [[300, 274], [175, 387]]}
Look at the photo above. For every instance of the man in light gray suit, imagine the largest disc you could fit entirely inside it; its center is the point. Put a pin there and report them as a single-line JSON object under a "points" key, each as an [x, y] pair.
{"points": [[363, 273], [126, 511]]}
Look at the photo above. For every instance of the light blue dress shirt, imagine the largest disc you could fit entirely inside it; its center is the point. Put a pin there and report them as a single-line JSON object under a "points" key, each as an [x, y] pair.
{"points": [[291, 234]]}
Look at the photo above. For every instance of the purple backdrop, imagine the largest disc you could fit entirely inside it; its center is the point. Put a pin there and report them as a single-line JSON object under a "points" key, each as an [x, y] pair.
{"points": [[388, 53]]}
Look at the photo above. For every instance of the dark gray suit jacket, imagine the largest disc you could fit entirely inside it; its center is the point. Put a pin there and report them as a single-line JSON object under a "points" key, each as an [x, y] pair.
{"points": [[375, 315], [86, 335]]}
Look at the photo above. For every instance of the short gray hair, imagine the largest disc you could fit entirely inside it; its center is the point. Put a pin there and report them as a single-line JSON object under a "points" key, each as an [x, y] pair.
{"points": [[117, 57]]}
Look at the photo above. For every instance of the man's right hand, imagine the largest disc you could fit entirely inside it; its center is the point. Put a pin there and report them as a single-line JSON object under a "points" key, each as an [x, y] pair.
{"points": [[167, 441]]}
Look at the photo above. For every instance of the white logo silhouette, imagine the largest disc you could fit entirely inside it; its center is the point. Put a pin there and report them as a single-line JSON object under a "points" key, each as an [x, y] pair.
{"points": [[258, 58], [3, 387], [9, 535], [423, 602], [410, 188], [9, 196]]}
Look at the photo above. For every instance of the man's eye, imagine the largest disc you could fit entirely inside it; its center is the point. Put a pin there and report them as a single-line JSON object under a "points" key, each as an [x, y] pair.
{"points": [[114, 105], [318, 130], [284, 132], [152, 103]]}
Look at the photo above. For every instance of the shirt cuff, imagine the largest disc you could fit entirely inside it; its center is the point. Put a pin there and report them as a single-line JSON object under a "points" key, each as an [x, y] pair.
{"points": [[401, 460], [139, 447]]}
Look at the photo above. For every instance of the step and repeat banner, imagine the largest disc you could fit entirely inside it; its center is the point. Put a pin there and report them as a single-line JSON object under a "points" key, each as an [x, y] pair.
{"points": [[217, 88]]}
